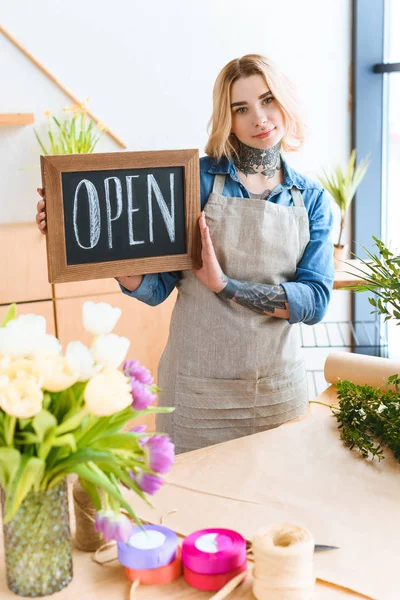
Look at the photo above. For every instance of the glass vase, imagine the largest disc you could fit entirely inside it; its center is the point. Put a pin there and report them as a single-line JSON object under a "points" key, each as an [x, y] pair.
{"points": [[37, 543]]}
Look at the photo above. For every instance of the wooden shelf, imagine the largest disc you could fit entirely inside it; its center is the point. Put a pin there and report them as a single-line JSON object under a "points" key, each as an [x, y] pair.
{"points": [[349, 274], [16, 119]]}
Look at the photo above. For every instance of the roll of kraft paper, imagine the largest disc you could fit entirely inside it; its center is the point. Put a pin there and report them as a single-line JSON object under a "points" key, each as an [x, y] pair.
{"points": [[360, 369], [213, 551], [283, 563], [158, 576], [152, 547]]}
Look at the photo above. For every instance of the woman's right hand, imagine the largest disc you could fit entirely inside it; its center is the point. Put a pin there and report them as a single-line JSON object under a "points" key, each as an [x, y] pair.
{"points": [[41, 212]]}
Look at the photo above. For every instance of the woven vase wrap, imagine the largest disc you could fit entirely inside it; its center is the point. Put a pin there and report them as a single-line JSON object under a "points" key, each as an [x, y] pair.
{"points": [[86, 538]]}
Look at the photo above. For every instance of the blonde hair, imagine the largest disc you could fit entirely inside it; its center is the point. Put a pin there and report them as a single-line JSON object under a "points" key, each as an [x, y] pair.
{"points": [[220, 143]]}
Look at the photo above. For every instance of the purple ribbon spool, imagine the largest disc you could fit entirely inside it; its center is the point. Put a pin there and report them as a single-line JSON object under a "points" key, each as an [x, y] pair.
{"points": [[149, 558]]}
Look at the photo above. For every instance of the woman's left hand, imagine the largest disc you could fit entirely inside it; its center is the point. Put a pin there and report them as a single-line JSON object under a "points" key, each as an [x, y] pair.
{"points": [[210, 274]]}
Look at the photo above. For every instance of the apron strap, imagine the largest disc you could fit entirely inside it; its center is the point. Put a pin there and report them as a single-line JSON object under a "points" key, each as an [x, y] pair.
{"points": [[296, 197], [219, 182]]}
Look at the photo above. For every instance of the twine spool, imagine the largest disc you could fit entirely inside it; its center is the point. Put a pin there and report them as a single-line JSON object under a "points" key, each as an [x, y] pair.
{"points": [[283, 563], [86, 538]]}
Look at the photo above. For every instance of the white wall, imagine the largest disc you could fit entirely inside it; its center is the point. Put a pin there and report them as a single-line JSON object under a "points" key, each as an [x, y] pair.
{"points": [[149, 67]]}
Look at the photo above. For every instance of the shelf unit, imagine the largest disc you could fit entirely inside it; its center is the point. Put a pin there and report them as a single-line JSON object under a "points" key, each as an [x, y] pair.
{"points": [[346, 335], [7, 119], [342, 334]]}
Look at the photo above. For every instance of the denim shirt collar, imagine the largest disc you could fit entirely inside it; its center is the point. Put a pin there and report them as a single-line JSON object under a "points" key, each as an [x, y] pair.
{"points": [[227, 167]]}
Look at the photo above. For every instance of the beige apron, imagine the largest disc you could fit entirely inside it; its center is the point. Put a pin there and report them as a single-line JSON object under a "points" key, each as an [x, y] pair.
{"points": [[228, 370]]}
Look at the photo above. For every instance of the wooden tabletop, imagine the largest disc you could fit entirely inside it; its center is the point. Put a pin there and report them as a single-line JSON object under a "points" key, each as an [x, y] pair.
{"points": [[93, 581]]}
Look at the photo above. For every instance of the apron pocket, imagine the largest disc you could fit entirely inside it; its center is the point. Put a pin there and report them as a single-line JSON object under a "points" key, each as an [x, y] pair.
{"points": [[212, 422], [210, 411], [214, 404], [214, 394], [188, 439], [282, 389], [275, 420]]}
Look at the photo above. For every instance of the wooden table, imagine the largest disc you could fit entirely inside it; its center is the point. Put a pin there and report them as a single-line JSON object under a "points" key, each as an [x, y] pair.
{"points": [[97, 582]]}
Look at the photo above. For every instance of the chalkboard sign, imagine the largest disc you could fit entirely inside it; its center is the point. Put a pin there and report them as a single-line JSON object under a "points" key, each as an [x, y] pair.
{"points": [[117, 213]]}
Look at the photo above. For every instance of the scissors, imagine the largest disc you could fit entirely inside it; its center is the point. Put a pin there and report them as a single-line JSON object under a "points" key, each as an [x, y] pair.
{"points": [[317, 547], [321, 548]]}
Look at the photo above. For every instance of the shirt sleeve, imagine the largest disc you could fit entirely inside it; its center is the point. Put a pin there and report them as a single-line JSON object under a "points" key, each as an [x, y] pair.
{"points": [[309, 293], [155, 287]]}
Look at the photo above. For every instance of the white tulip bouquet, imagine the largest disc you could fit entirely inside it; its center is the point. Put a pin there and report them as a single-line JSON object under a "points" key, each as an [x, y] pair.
{"points": [[68, 413]]}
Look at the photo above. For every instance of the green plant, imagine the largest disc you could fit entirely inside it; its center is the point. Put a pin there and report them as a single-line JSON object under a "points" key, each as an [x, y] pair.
{"points": [[369, 418], [342, 184], [74, 133], [381, 276]]}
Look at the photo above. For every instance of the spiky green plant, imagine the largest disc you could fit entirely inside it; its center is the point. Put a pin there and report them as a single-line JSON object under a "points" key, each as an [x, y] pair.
{"points": [[73, 133], [381, 276], [342, 184]]}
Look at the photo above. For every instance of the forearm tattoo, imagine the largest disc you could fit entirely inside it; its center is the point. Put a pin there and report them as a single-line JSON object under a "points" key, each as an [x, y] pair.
{"points": [[259, 297], [251, 160]]}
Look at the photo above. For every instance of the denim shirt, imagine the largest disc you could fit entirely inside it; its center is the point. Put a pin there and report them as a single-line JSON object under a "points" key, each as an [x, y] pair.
{"points": [[309, 293]]}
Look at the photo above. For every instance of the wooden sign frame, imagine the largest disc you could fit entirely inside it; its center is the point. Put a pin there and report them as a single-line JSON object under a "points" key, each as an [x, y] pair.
{"points": [[53, 166]]}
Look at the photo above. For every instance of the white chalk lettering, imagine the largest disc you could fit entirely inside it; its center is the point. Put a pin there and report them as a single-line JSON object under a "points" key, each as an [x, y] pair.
{"points": [[118, 189], [131, 210], [94, 214], [169, 217]]}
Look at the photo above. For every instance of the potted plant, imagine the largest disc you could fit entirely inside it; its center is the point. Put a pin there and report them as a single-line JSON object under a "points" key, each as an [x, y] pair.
{"points": [[342, 184], [73, 133], [63, 413]]}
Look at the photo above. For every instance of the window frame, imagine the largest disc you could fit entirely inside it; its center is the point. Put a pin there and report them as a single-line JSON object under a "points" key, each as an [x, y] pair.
{"points": [[368, 107]]}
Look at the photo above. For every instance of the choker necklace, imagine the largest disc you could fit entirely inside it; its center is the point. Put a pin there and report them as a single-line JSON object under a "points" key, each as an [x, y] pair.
{"points": [[251, 161]]}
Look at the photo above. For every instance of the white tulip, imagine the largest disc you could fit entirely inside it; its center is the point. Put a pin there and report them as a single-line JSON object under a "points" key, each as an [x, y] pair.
{"points": [[14, 342], [17, 367], [81, 360], [110, 350], [46, 345], [4, 381], [26, 336], [108, 392], [4, 360], [99, 318], [21, 398], [56, 372], [31, 325]]}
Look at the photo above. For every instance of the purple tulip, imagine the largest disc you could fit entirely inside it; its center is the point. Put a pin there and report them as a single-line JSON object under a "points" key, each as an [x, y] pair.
{"points": [[142, 396], [133, 369], [148, 483], [140, 429], [113, 526], [159, 453]]}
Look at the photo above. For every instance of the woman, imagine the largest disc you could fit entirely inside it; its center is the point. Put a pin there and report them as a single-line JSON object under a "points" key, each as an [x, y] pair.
{"points": [[232, 365]]}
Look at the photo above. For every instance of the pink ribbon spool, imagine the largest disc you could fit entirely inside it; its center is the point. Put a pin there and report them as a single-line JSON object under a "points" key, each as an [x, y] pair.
{"points": [[214, 551], [211, 583]]}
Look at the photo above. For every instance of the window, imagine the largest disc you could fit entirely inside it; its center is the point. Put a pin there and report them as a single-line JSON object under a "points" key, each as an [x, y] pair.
{"points": [[376, 133], [391, 154]]}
